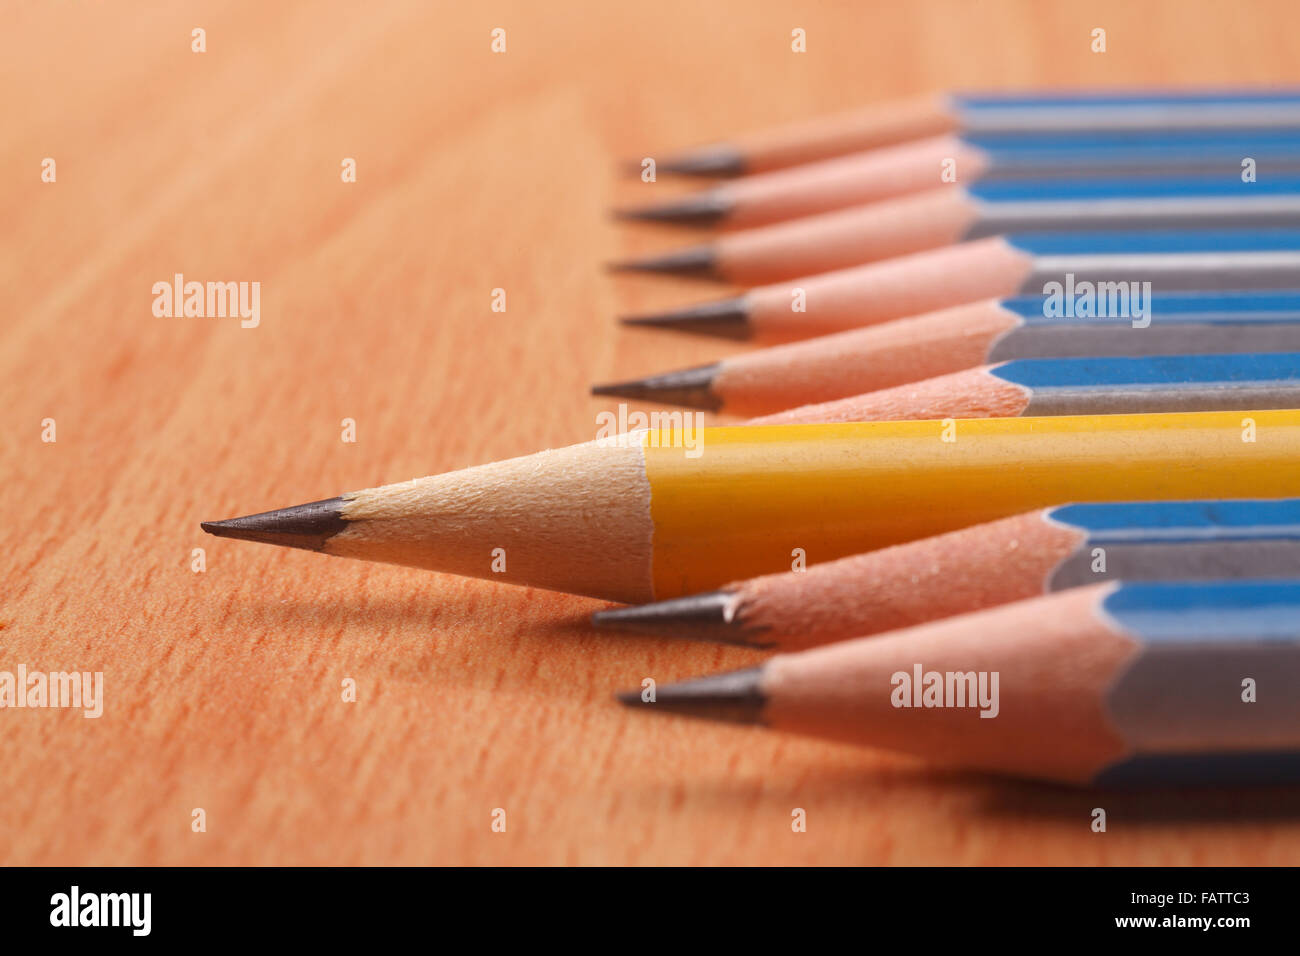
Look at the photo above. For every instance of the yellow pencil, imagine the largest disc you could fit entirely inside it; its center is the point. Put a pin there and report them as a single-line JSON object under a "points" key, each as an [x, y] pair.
{"points": [[656, 514]]}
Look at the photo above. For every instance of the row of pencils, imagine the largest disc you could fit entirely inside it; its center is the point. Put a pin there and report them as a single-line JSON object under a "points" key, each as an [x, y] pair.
{"points": [[1025, 427]]}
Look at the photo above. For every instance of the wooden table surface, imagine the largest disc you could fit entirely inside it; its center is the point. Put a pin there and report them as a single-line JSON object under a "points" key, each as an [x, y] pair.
{"points": [[475, 171]]}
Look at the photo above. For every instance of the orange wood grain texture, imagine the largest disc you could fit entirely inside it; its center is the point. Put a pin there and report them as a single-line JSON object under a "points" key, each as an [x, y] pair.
{"points": [[476, 171]]}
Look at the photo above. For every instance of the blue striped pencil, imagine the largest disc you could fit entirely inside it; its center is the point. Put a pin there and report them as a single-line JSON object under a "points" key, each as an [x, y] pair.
{"points": [[1074, 386], [1112, 684], [975, 159], [1136, 113], [836, 366], [998, 562], [1069, 266], [946, 215]]}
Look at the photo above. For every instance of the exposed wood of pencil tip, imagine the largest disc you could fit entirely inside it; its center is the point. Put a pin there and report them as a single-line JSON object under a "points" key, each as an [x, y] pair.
{"points": [[691, 387], [306, 526], [735, 697], [709, 617], [727, 319]]}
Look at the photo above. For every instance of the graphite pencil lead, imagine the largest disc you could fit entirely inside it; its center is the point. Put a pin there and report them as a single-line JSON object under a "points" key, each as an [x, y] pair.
{"points": [[728, 319], [306, 526], [709, 616], [718, 160], [691, 387], [701, 209], [736, 697], [695, 262]]}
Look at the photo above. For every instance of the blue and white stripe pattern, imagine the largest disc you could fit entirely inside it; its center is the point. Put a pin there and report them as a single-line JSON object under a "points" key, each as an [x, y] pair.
{"points": [[1213, 691]]}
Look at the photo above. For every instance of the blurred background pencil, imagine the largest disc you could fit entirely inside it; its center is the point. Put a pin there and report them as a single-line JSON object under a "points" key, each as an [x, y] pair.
{"points": [[906, 350], [883, 124], [659, 514], [951, 214], [1024, 263], [983, 566], [1074, 386], [946, 161], [1112, 684]]}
